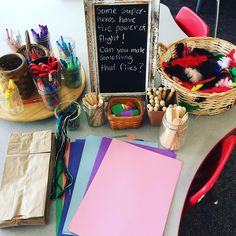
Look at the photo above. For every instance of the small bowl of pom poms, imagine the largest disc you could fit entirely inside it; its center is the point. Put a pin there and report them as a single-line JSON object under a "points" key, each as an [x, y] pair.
{"points": [[203, 72], [125, 112]]}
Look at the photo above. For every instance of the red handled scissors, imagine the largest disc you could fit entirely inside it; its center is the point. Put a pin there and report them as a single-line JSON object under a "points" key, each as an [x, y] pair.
{"points": [[53, 63], [43, 69]]}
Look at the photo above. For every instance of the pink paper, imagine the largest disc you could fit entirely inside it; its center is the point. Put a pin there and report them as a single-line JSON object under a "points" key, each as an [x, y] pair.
{"points": [[130, 195]]}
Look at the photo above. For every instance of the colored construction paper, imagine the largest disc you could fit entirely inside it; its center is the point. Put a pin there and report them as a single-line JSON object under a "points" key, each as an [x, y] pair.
{"points": [[130, 195], [60, 201], [91, 146], [105, 145], [76, 149]]}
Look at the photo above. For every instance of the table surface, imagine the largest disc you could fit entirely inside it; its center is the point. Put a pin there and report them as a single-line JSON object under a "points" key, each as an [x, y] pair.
{"points": [[38, 111], [204, 131]]}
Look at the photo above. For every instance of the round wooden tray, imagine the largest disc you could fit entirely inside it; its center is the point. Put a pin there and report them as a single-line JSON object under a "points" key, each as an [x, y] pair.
{"points": [[38, 111]]}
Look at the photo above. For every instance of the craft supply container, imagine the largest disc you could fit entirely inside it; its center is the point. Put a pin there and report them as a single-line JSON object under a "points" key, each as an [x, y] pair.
{"points": [[199, 103], [95, 116], [72, 78], [12, 102], [172, 136], [125, 122], [51, 92], [63, 50], [67, 108], [45, 41], [44, 60], [155, 117], [32, 51], [50, 98], [13, 66]]}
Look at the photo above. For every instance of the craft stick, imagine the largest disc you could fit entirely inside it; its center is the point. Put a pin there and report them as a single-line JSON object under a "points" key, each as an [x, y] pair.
{"points": [[151, 101], [158, 93], [162, 103], [157, 106], [151, 108], [155, 109], [151, 96], [170, 95], [164, 93], [164, 108]]}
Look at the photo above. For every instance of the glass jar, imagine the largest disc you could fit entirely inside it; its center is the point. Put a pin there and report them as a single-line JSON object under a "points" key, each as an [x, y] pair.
{"points": [[95, 116], [11, 99], [66, 108], [172, 136]]}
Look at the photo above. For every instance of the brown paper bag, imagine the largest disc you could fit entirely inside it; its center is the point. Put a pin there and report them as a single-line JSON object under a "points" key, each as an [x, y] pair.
{"points": [[26, 181]]}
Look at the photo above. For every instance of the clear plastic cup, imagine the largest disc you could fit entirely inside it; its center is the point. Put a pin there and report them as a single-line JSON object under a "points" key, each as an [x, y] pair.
{"points": [[63, 47], [72, 78], [72, 109], [51, 98]]}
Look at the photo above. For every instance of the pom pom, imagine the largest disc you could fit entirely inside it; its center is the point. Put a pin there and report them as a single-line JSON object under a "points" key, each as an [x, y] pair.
{"points": [[225, 82], [232, 56], [209, 69], [224, 62], [179, 50], [193, 75]]}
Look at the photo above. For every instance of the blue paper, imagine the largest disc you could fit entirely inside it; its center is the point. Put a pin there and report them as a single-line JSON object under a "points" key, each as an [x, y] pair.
{"points": [[76, 149], [91, 146]]}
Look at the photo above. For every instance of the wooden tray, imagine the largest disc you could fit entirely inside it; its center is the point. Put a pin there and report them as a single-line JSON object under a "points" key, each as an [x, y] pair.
{"points": [[37, 111]]}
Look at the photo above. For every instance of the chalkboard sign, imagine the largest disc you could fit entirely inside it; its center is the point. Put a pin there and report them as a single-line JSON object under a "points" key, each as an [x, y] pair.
{"points": [[119, 46]]}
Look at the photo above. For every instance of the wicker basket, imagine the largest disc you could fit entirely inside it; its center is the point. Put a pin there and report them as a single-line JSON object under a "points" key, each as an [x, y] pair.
{"points": [[124, 122], [201, 103], [27, 49]]}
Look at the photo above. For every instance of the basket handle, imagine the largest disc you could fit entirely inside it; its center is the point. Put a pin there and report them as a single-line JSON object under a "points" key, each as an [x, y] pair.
{"points": [[161, 47], [28, 45]]}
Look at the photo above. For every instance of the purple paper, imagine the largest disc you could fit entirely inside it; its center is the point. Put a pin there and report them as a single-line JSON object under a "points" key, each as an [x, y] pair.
{"points": [[105, 145], [76, 149]]}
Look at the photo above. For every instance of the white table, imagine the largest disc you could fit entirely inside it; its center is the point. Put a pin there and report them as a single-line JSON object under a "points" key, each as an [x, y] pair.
{"points": [[203, 131]]}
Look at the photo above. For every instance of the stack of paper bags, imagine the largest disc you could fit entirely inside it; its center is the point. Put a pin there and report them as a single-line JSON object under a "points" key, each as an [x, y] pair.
{"points": [[26, 181], [120, 189]]}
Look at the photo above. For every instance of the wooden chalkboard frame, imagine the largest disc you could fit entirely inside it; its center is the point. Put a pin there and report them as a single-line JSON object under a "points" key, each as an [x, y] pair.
{"points": [[149, 75]]}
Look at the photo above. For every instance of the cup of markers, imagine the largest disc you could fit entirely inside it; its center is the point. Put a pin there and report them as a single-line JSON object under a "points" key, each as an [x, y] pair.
{"points": [[46, 74], [71, 68], [65, 46], [71, 71], [41, 36]]}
